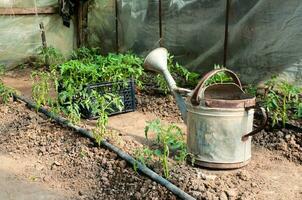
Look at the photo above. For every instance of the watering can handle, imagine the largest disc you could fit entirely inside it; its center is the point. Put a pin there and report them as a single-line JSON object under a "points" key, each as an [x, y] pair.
{"points": [[195, 96], [258, 129]]}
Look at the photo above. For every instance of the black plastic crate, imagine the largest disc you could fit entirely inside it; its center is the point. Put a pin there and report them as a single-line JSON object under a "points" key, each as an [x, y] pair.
{"points": [[126, 91]]}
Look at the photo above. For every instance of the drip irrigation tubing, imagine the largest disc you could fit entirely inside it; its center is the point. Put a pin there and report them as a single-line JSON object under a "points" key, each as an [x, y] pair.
{"points": [[142, 168]]}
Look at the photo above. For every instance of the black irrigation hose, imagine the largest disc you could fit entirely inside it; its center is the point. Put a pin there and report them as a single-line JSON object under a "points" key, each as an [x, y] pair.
{"points": [[142, 168]]}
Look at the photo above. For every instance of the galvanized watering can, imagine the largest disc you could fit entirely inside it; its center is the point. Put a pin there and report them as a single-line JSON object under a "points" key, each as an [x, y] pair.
{"points": [[219, 117]]}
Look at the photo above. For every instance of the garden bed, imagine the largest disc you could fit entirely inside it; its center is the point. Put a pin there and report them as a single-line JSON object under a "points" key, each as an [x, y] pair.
{"points": [[73, 164], [69, 162], [63, 161]]}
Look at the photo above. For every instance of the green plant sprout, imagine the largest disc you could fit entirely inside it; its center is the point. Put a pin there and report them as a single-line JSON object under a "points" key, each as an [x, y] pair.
{"points": [[143, 155], [2, 69], [219, 77], [5, 93], [105, 104], [170, 139], [299, 110], [43, 84], [281, 98], [251, 89], [49, 56]]}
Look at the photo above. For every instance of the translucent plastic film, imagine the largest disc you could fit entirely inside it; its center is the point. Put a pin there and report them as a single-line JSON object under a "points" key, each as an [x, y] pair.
{"points": [[20, 35], [138, 25], [264, 35], [194, 29], [26, 3], [265, 39], [101, 25], [137, 29]]}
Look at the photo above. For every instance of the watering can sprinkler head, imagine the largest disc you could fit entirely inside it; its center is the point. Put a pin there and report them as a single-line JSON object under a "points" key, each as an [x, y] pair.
{"points": [[157, 61]]}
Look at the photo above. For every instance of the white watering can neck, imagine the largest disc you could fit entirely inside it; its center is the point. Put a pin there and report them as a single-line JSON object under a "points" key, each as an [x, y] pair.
{"points": [[156, 61]]}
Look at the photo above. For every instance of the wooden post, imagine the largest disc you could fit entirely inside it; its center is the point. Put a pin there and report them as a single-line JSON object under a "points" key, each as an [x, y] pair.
{"points": [[44, 42], [43, 36], [82, 22]]}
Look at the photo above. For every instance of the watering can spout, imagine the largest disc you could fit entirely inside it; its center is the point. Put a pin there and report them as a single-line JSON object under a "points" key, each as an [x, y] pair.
{"points": [[156, 61]]}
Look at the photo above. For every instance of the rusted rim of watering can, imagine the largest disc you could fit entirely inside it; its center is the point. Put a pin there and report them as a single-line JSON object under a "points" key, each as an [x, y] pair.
{"points": [[196, 98], [220, 103], [226, 95]]}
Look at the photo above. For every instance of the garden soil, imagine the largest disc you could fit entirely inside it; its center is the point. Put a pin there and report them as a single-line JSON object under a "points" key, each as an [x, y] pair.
{"points": [[38, 157]]}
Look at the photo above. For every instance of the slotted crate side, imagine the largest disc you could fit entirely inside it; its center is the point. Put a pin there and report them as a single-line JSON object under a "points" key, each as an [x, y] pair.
{"points": [[125, 91]]}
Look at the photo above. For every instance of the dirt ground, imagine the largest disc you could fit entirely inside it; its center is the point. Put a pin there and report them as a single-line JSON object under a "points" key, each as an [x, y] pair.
{"points": [[41, 160]]}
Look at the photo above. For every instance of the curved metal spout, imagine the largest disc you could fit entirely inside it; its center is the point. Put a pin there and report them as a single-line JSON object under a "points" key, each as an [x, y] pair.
{"points": [[157, 61]]}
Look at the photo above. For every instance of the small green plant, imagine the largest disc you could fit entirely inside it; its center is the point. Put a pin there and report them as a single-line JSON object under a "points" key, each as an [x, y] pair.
{"points": [[171, 142], [73, 112], [299, 110], [281, 100], [219, 77], [2, 69], [105, 103], [43, 83], [251, 89], [49, 56], [272, 103], [33, 178], [162, 83], [5, 93], [83, 153], [85, 54], [143, 155]]}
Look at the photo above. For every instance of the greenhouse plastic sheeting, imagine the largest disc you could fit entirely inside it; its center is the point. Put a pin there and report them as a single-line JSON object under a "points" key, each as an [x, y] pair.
{"points": [[138, 25], [264, 35], [101, 25], [265, 39], [194, 28], [137, 28], [21, 36], [27, 3]]}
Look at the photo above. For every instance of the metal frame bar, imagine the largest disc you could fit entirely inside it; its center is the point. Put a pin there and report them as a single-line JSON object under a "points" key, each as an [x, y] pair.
{"points": [[226, 33]]}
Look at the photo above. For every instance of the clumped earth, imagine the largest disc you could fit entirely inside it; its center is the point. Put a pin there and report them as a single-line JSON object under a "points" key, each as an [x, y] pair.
{"points": [[289, 142], [73, 164], [70, 161], [164, 106]]}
